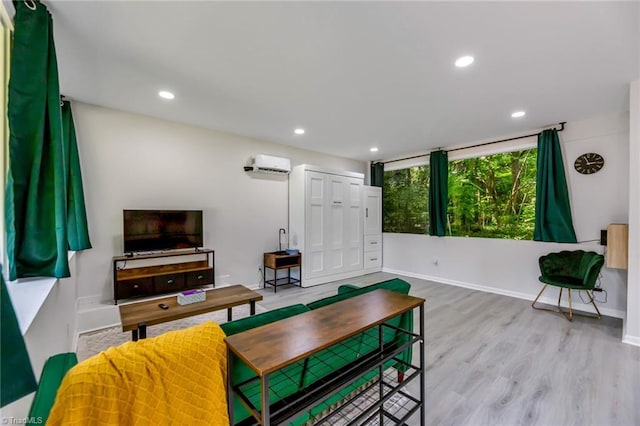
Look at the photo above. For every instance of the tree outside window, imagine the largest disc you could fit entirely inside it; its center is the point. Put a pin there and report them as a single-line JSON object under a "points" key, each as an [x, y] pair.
{"points": [[493, 196], [405, 200]]}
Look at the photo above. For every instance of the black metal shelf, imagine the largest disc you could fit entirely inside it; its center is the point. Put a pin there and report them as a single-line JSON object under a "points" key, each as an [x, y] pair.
{"points": [[287, 409]]}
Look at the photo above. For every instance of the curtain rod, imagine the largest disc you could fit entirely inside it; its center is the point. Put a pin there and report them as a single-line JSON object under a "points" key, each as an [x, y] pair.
{"points": [[561, 124]]}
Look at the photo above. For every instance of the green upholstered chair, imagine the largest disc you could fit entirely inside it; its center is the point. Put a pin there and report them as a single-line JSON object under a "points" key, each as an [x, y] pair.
{"points": [[573, 270]]}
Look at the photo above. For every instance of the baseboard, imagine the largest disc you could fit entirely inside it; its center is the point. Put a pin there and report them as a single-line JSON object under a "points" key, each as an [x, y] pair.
{"points": [[631, 340], [615, 313], [94, 314]]}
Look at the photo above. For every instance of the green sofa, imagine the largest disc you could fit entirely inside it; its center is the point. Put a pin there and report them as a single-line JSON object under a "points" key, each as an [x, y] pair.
{"points": [[52, 374], [310, 371]]}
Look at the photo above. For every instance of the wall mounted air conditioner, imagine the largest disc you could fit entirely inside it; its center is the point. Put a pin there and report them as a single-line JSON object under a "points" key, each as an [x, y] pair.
{"points": [[268, 164]]}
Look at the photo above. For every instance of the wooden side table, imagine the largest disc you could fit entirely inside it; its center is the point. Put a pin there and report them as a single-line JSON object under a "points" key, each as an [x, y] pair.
{"points": [[277, 260]]}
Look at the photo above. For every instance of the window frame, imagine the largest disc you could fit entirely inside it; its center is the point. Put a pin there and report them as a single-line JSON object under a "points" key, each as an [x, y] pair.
{"points": [[456, 153]]}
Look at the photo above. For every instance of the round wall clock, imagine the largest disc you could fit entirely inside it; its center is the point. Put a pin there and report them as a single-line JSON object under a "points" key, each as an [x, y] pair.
{"points": [[589, 163]]}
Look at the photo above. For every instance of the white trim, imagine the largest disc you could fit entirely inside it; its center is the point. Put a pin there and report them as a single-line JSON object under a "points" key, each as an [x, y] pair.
{"points": [[29, 294], [631, 340], [27, 297], [95, 316], [519, 295]]}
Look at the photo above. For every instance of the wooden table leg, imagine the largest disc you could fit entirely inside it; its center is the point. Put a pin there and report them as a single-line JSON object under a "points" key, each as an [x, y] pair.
{"points": [[142, 327], [252, 307], [134, 334], [229, 315]]}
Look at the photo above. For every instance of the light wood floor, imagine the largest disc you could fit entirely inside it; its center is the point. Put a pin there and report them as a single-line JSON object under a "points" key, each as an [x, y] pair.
{"points": [[493, 360]]}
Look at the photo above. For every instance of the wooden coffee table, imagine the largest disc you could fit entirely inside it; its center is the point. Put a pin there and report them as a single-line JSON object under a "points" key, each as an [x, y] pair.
{"points": [[138, 315]]}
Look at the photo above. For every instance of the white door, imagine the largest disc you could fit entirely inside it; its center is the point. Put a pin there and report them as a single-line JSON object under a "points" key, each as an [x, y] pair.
{"points": [[372, 210], [335, 225], [315, 224], [353, 238]]}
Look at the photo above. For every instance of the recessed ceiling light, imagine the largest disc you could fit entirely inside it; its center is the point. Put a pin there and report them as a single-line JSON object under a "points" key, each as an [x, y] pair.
{"points": [[299, 131], [374, 149], [518, 114], [464, 61], [166, 95]]}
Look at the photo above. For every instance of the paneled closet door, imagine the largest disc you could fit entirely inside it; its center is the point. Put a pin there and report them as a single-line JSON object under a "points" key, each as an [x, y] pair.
{"points": [[372, 210], [352, 232], [337, 201], [315, 224]]}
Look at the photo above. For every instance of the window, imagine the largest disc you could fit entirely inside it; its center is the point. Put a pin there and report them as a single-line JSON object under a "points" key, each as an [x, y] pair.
{"points": [[493, 196], [406, 200]]}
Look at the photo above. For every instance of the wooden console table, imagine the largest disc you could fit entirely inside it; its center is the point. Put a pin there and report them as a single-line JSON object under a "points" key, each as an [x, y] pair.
{"points": [[277, 260], [271, 347], [137, 316]]}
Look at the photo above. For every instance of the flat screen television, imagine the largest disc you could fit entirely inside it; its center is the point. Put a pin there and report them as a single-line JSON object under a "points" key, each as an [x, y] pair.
{"points": [[157, 230]]}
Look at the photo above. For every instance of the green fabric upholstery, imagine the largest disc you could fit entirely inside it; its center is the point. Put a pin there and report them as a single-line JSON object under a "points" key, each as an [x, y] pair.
{"points": [[282, 383], [348, 291], [576, 269], [244, 324], [52, 374], [347, 287], [331, 359], [305, 373], [404, 321], [369, 339]]}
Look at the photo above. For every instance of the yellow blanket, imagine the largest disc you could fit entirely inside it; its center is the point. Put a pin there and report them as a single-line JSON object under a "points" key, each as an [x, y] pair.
{"points": [[175, 378]]}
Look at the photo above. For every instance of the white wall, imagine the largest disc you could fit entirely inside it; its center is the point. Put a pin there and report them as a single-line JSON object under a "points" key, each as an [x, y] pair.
{"points": [[511, 267], [133, 161], [631, 332]]}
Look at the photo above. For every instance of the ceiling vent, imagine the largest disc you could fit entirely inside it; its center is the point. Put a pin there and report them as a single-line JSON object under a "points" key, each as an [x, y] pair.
{"points": [[268, 164]]}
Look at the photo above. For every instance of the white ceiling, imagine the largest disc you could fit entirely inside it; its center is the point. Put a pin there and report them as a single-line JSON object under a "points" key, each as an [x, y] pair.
{"points": [[353, 74]]}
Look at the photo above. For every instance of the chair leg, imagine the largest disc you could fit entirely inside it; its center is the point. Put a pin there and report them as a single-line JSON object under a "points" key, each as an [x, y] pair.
{"points": [[533, 304], [559, 297], [594, 305], [568, 315]]}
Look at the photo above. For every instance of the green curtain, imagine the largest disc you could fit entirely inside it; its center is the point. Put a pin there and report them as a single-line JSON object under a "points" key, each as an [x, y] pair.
{"points": [[39, 173], [438, 192], [16, 373], [77, 228], [377, 174], [553, 212]]}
